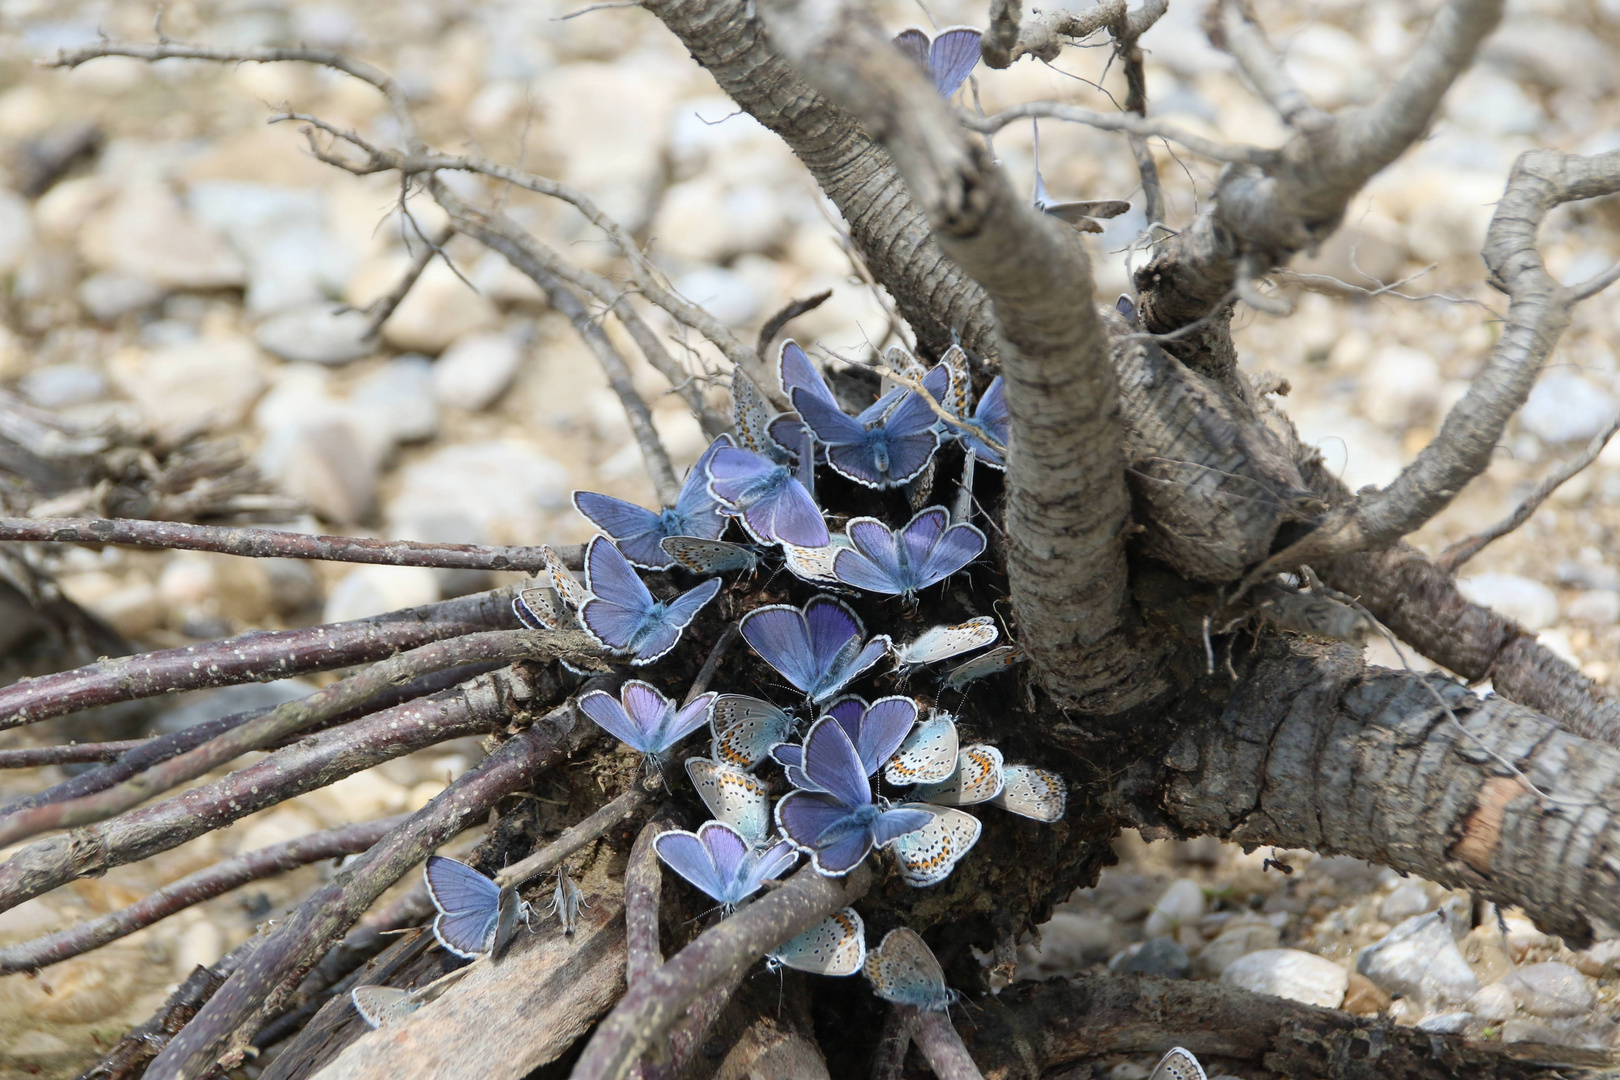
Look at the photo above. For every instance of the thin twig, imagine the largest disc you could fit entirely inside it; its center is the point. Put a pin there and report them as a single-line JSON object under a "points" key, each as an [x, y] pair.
{"points": [[941, 1045], [379, 310], [262, 656], [889, 1056], [774, 324], [479, 707], [1243, 38], [270, 543], [33, 757], [1127, 31], [260, 988], [193, 889], [1455, 555], [1127, 123], [293, 716], [706, 673], [649, 1010], [574, 837], [916, 387]]}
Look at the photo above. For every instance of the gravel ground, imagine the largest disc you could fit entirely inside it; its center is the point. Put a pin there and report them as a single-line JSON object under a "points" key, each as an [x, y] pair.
{"points": [[183, 279]]}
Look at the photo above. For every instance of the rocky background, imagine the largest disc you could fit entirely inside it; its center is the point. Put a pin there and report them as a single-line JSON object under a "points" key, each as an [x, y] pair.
{"points": [[175, 268]]}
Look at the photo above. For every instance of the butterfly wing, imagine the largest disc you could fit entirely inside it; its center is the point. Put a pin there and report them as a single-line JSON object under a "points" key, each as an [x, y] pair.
{"points": [[563, 580], [926, 856], [687, 855], [979, 777], [853, 663], [990, 417], [1033, 793], [927, 756], [832, 764], [636, 530], [874, 563], [383, 1006], [619, 604], [779, 635], [993, 662], [610, 715], [752, 416], [728, 851], [1178, 1064], [834, 946], [951, 58], [697, 511], [905, 971], [913, 43], [708, 556], [956, 547], [789, 516], [745, 729], [831, 626], [943, 642], [767, 865], [883, 728], [741, 800], [468, 904]]}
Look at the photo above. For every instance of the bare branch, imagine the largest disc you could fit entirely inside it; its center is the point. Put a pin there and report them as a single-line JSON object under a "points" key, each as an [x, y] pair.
{"points": [[380, 309], [1127, 31], [1466, 548], [574, 837], [1042, 34], [773, 325], [889, 1056], [262, 656], [1128, 123], [193, 889], [1538, 311], [941, 1045], [650, 1009], [1246, 41], [270, 543], [295, 716], [475, 708], [259, 987], [33, 757]]}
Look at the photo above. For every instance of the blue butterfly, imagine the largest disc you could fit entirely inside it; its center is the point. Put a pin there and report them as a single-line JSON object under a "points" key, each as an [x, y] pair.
{"points": [[948, 59], [817, 648], [772, 503], [637, 531], [643, 718], [621, 613], [838, 823], [475, 914], [928, 549], [718, 860], [890, 443]]}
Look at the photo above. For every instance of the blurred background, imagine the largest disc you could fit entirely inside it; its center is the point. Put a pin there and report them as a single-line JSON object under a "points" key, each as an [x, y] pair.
{"points": [[175, 268]]}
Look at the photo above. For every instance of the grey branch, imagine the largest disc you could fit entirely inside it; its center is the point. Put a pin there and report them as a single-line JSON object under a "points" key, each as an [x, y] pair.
{"points": [[193, 889], [573, 838], [1463, 550], [477, 707], [650, 1009], [259, 987], [941, 1045]]}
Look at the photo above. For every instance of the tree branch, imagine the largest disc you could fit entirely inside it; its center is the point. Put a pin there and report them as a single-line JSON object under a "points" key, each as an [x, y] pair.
{"points": [[270, 543], [1067, 502], [1538, 311], [294, 716], [475, 708], [262, 656], [193, 889], [941, 1045], [574, 837], [258, 988], [649, 1009]]}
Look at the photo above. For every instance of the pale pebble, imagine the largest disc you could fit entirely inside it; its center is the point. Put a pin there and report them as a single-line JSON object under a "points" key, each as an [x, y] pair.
{"points": [[1069, 941], [111, 293], [1420, 959], [319, 332], [1289, 973], [145, 232], [473, 373], [201, 945], [207, 384], [1494, 1003], [373, 590], [1182, 902], [1406, 900], [1565, 407], [1236, 942], [439, 309], [1550, 990], [1527, 602], [1597, 607]]}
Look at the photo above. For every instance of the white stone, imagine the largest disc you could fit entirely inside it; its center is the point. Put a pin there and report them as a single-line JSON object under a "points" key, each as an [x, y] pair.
{"points": [[1550, 989], [1556, 54], [612, 134], [200, 945], [1290, 973], [1598, 607], [364, 796], [1235, 942], [60, 386], [146, 233], [330, 459], [1494, 1003], [207, 384], [373, 590], [473, 373], [108, 295], [508, 488], [318, 333], [707, 220], [1420, 959], [1399, 387], [1451, 1023], [1408, 899], [1331, 66], [1564, 407], [1182, 902], [16, 229], [725, 294], [1527, 602], [399, 398]]}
